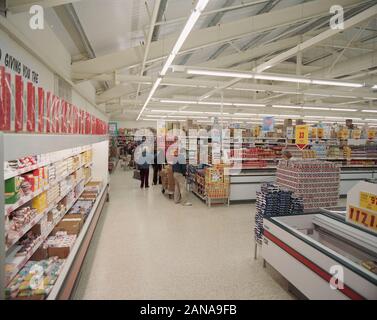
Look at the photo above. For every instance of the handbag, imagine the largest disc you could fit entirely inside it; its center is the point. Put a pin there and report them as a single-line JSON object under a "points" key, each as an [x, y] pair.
{"points": [[137, 174]]}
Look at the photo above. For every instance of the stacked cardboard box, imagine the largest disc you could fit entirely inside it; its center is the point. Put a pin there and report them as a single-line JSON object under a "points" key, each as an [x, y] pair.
{"points": [[317, 182]]}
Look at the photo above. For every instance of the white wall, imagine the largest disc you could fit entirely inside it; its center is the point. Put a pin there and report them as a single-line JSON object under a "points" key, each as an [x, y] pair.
{"points": [[43, 52]]}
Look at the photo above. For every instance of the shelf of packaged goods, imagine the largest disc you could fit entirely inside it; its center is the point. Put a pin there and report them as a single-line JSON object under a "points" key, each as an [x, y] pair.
{"points": [[19, 262], [18, 172], [69, 273], [39, 216], [11, 207]]}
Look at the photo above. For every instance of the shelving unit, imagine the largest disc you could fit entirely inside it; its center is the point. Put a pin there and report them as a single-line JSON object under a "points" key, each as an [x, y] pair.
{"points": [[65, 146]]}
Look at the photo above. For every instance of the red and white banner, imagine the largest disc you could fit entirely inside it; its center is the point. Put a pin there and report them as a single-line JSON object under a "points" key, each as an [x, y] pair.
{"points": [[30, 114], [41, 109], [19, 105]]}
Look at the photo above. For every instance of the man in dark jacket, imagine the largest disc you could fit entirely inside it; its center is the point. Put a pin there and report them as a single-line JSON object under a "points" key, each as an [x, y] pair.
{"points": [[143, 166]]}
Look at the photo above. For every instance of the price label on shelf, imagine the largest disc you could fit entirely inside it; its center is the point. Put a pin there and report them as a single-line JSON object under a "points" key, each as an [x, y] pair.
{"points": [[363, 218], [302, 136], [368, 201]]}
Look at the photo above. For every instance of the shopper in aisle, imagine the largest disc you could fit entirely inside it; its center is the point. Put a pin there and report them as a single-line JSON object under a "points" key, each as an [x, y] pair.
{"points": [[179, 172], [157, 166], [143, 165]]}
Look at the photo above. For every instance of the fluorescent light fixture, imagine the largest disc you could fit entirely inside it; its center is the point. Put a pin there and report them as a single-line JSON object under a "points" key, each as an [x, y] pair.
{"points": [[371, 119], [249, 104], [337, 83], [151, 93], [281, 78], [372, 111], [194, 16], [215, 103], [219, 73], [160, 110], [217, 113], [243, 114], [178, 101], [155, 116], [336, 118], [149, 119], [375, 86], [191, 112], [286, 107], [315, 108], [340, 109], [314, 117], [281, 115]]}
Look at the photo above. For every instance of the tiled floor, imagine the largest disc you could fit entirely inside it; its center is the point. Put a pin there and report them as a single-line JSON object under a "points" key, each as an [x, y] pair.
{"points": [[147, 247]]}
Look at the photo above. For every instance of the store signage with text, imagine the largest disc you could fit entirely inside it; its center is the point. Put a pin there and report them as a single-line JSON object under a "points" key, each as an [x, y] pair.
{"points": [[302, 136]]}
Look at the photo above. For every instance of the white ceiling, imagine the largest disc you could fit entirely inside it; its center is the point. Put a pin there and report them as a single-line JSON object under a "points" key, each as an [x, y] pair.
{"points": [[112, 26]]}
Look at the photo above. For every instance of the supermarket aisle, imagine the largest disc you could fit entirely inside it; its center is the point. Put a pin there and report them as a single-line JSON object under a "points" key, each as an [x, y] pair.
{"points": [[146, 247]]}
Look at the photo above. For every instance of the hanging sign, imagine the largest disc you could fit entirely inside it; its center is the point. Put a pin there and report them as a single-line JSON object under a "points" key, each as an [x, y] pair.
{"points": [[371, 134], [302, 136], [268, 124], [320, 133], [290, 133]]}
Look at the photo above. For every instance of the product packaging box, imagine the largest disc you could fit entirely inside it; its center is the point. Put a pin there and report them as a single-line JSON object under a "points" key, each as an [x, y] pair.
{"points": [[70, 225], [60, 252], [12, 188]]}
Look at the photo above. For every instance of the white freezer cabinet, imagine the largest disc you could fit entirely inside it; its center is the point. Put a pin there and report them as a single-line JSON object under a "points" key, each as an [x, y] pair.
{"points": [[322, 256]]}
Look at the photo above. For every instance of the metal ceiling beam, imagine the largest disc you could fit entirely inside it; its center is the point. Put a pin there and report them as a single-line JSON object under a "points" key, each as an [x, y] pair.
{"points": [[207, 37], [155, 15], [213, 22], [124, 88], [210, 12], [365, 15], [71, 22], [159, 16], [17, 6]]}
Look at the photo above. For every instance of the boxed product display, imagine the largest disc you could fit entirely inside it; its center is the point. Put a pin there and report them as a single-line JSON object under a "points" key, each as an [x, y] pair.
{"points": [[272, 201], [70, 225], [316, 181], [60, 244]]}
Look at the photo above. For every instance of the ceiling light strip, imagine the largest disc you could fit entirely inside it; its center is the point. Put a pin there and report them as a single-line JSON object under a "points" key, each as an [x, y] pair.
{"points": [[194, 16]]}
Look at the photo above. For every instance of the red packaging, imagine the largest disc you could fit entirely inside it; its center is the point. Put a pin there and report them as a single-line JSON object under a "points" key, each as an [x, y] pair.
{"points": [[30, 116], [19, 104], [31, 179], [48, 112], [41, 109]]}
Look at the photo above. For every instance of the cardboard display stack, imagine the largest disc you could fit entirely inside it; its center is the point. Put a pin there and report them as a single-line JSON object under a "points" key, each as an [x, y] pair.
{"points": [[167, 179], [317, 182]]}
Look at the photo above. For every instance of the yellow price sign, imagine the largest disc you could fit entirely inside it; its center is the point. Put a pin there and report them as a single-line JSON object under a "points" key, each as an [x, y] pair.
{"points": [[314, 133], [320, 133], [371, 134], [302, 136], [362, 218], [368, 201]]}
